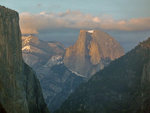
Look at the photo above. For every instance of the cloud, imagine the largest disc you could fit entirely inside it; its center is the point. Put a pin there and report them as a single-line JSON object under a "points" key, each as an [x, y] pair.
{"points": [[33, 23]]}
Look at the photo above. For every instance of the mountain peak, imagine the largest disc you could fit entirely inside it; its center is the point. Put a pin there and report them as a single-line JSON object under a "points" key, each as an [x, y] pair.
{"points": [[94, 33], [93, 48], [121, 87], [29, 39]]}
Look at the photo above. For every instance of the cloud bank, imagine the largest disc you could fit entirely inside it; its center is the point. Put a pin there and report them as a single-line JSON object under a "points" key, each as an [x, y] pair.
{"points": [[33, 23]]}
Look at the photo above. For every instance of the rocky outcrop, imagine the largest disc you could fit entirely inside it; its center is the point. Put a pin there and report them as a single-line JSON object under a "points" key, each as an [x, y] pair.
{"points": [[121, 87], [20, 91], [92, 51], [37, 52]]}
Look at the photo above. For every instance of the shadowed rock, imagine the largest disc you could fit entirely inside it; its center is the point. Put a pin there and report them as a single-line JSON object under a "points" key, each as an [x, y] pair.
{"points": [[20, 91]]}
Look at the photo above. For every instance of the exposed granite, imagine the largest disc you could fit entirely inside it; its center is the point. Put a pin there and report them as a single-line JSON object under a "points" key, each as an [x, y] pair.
{"points": [[20, 91], [92, 51], [46, 58]]}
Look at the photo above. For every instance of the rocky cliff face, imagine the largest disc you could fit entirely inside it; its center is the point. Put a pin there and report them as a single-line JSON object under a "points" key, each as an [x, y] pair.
{"points": [[121, 87], [92, 51], [20, 91], [46, 58]]}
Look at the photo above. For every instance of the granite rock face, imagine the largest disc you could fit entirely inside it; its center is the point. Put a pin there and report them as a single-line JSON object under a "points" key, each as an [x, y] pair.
{"points": [[46, 58], [20, 91], [121, 87], [92, 52], [61, 70]]}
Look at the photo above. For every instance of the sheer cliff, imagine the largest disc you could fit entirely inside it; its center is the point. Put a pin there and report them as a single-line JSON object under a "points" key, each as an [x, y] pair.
{"points": [[46, 58], [20, 91], [92, 51], [121, 87]]}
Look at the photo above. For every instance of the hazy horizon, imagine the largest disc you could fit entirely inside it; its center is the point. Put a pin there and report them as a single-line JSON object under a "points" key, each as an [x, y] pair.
{"points": [[62, 21]]}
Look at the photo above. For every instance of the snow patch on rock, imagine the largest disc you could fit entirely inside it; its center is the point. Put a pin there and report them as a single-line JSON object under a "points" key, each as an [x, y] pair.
{"points": [[90, 31], [54, 60]]}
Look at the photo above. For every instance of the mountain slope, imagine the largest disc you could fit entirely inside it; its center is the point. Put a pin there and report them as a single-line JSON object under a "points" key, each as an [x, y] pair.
{"points": [[122, 87], [37, 52], [92, 51], [57, 83], [56, 80], [20, 91]]}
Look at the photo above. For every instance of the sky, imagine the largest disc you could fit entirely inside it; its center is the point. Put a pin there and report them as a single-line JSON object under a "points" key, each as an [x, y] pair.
{"points": [[128, 21], [119, 9]]}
